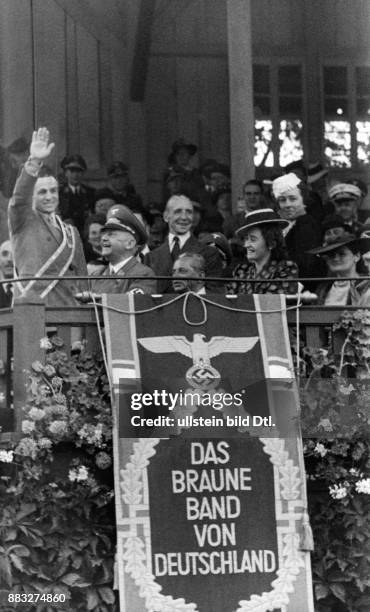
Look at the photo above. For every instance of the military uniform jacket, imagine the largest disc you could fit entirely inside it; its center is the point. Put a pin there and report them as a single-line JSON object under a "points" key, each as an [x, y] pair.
{"points": [[35, 241], [75, 207], [130, 270]]}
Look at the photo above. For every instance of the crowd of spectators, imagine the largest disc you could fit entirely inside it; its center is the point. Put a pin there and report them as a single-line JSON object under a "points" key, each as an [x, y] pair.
{"points": [[301, 225]]}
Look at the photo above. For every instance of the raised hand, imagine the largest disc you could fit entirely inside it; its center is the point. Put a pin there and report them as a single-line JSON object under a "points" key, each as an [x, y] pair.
{"points": [[40, 147]]}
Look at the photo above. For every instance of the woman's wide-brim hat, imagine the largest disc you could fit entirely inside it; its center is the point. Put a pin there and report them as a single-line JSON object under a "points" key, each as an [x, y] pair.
{"points": [[361, 245], [263, 216]]}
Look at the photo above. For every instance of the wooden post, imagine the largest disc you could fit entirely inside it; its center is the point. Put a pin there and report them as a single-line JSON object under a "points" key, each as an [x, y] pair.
{"points": [[29, 328], [239, 35]]}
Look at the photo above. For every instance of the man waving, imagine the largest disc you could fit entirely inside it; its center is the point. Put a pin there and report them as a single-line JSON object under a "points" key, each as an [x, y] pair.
{"points": [[42, 244]]}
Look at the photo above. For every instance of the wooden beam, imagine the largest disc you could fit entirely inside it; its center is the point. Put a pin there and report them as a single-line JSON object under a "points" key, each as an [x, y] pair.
{"points": [[239, 36], [140, 59], [29, 328], [108, 31]]}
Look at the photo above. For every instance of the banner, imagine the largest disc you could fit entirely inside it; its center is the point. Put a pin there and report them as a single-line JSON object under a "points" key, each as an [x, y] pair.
{"points": [[209, 478]]}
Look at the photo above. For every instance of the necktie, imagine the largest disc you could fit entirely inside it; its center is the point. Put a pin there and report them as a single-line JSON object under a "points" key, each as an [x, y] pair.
{"points": [[52, 220], [175, 248], [9, 292]]}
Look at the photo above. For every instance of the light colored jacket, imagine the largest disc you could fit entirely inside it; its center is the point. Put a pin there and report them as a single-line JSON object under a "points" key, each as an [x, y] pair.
{"points": [[34, 241]]}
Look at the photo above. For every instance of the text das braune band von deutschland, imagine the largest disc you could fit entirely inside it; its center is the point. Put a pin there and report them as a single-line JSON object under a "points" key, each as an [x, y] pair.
{"points": [[220, 512]]}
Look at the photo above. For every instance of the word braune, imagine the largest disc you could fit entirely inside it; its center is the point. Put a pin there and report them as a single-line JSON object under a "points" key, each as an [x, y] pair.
{"points": [[211, 494], [166, 399]]}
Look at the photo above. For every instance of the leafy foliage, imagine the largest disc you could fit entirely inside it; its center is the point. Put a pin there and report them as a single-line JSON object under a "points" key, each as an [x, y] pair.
{"points": [[336, 419], [57, 524]]}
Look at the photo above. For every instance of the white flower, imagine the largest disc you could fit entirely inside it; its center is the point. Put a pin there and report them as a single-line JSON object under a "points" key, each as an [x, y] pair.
{"points": [[338, 491], [6, 456], [45, 443], [91, 433], [58, 427], [320, 449], [45, 343], [36, 414], [346, 390], [326, 425], [28, 426], [354, 472], [27, 447], [363, 486], [83, 473], [79, 474], [72, 475]]}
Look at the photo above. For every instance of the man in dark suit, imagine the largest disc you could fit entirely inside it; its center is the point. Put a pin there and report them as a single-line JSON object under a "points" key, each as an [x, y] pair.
{"points": [[6, 272], [178, 215], [76, 200], [121, 236], [188, 274]]}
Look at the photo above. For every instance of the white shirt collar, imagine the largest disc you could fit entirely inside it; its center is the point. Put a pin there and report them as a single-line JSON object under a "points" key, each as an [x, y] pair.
{"points": [[116, 268], [287, 229], [201, 291], [182, 239]]}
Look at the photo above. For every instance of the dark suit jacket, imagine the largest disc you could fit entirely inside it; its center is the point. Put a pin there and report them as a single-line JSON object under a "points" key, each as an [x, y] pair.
{"points": [[161, 263], [5, 300], [305, 235], [130, 270], [75, 207]]}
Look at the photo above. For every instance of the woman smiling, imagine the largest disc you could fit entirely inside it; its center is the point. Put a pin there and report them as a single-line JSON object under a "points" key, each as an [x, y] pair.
{"points": [[266, 256], [342, 257], [302, 232]]}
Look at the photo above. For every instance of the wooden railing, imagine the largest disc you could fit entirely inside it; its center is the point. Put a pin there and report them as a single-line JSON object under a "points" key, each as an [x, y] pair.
{"points": [[22, 328]]}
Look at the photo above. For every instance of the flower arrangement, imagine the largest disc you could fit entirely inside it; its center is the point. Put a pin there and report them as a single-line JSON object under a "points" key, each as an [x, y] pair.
{"points": [[335, 422], [57, 524]]}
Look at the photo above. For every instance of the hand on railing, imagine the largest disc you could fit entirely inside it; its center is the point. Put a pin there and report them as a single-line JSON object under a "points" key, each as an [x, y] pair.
{"points": [[87, 296]]}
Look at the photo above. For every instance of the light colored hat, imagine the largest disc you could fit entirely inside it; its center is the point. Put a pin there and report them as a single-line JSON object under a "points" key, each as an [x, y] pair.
{"points": [[285, 183], [344, 191]]}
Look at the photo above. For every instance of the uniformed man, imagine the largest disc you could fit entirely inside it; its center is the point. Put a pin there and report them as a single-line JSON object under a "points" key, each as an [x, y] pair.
{"points": [[76, 200], [43, 245], [122, 236], [122, 190]]}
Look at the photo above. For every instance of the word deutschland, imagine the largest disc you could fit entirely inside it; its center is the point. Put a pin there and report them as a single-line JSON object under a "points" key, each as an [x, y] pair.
{"points": [[215, 562]]}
